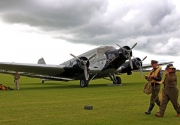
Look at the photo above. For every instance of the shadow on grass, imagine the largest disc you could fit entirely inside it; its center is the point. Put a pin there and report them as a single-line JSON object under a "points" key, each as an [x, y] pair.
{"points": [[40, 86], [133, 83], [47, 87], [70, 85]]}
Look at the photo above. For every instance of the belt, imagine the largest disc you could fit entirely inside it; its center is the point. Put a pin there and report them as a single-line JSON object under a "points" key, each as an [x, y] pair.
{"points": [[154, 83]]}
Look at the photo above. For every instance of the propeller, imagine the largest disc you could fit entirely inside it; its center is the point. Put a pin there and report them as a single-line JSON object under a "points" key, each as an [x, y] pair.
{"points": [[85, 72], [140, 62], [130, 62], [75, 57], [144, 58], [133, 46], [84, 62], [141, 65], [129, 51]]}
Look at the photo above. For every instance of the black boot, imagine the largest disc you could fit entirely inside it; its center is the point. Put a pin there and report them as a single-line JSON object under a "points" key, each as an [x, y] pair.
{"points": [[150, 109]]}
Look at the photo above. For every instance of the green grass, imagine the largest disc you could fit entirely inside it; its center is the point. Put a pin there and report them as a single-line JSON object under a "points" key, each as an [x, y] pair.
{"points": [[55, 103]]}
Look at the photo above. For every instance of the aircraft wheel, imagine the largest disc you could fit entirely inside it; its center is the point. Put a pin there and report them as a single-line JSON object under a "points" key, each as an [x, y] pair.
{"points": [[42, 81], [129, 73], [118, 80], [83, 83]]}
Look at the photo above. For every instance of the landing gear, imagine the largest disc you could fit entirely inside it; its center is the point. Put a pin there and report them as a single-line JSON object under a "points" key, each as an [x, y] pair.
{"points": [[116, 79], [43, 81], [129, 73], [84, 82]]}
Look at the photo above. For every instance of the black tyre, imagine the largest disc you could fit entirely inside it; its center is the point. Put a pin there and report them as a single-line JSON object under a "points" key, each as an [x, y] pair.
{"points": [[118, 80], [84, 83]]}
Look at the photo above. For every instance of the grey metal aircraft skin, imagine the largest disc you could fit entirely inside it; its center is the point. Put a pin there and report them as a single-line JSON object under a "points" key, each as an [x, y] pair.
{"points": [[97, 63], [101, 62]]}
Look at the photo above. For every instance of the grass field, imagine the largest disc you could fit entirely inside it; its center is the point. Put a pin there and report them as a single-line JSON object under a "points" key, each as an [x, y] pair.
{"points": [[55, 103]]}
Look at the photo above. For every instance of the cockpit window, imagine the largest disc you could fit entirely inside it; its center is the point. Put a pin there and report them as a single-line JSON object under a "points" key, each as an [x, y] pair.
{"points": [[74, 63]]}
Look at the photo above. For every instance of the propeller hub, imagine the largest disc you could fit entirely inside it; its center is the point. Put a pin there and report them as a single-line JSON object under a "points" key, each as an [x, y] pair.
{"points": [[83, 62]]}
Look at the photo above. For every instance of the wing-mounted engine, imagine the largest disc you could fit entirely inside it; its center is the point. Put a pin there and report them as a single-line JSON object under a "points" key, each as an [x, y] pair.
{"points": [[137, 63], [80, 64], [126, 67]]}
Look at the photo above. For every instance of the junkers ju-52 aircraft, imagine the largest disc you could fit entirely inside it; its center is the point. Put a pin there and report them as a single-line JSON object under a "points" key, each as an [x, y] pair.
{"points": [[101, 62]]}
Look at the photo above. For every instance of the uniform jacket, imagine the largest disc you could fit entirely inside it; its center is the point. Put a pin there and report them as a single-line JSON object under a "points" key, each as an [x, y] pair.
{"points": [[16, 76], [170, 80], [157, 76]]}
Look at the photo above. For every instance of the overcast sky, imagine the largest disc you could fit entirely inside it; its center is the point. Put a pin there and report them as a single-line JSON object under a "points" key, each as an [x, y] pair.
{"points": [[53, 29]]}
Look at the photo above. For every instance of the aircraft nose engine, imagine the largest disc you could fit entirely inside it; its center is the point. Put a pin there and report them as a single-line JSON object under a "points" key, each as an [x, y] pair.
{"points": [[126, 52]]}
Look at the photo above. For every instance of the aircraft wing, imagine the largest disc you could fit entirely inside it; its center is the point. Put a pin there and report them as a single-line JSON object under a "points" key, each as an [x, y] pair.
{"points": [[33, 68], [161, 64], [36, 75], [137, 62]]}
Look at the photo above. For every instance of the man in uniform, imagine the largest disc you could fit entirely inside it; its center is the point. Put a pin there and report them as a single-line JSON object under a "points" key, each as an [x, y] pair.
{"points": [[155, 77], [16, 80], [170, 91]]}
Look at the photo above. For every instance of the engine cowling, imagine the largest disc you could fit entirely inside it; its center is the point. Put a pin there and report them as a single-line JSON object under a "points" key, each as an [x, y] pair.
{"points": [[125, 52], [126, 68], [78, 65]]}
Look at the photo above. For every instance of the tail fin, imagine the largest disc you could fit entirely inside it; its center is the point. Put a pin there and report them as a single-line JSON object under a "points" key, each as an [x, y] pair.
{"points": [[41, 61]]}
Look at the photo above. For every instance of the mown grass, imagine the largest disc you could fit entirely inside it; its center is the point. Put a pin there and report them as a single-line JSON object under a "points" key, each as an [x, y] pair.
{"points": [[55, 103]]}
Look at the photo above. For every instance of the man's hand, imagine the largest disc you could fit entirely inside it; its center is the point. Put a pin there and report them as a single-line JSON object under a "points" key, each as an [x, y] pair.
{"points": [[151, 76], [166, 72], [146, 77]]}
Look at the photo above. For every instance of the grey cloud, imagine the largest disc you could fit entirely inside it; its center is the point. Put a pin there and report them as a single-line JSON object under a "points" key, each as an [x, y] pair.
{"points": [[153, 24], [55, 15]]}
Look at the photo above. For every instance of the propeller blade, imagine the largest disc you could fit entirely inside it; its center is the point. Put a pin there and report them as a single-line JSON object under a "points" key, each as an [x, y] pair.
{"points": [[141, 65], [144, 58], [92, 56], [84, 63], [85, 72], [140, 70], [121, 47], [130, 61], [118, 45], [133, 45], [75, 57]]}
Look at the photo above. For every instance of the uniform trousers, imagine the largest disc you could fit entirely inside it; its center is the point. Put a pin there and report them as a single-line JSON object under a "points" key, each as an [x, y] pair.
{"points": [[16, 84], [170, 94], [155, 94]]}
